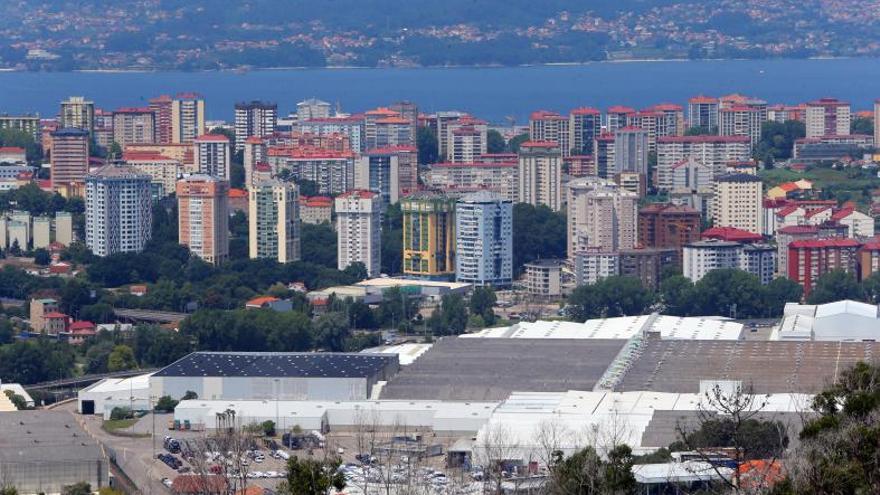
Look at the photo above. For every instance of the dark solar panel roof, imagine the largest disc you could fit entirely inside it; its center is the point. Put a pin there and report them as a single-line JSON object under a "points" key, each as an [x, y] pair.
{"points": [[280, 364]]}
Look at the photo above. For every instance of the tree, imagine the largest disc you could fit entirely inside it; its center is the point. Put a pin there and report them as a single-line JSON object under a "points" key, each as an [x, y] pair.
{"points": [[495, 142], [190, 395], [609, 297], [331, 331], [81, 488], [451, 317], [780, 291], [839, 451], [42, 257], [701, 131], [7, 332], [268, 428], [165, 404], [97, 357], [426, 141], [777, 140], [18, 401], [538, 232], [676, 294], [834, 286], [728, 292], [482, 303], [585, 473], [396, 307], [312, 477], [516, 141], [357, 271], [318, 244], [862, 125], [121, 358]]}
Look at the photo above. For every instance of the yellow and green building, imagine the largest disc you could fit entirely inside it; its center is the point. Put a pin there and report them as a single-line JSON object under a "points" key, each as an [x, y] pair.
{"points": [[428, 235]]}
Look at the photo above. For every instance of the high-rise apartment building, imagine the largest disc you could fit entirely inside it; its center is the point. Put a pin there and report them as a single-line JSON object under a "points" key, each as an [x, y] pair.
{"points": [[255, 151], [164, 171], [737, 202], [545, 126], [603, 155], [79, 113], [134, 125], [161, 107], [70, 158], [440, 123], [428, 235], [810, 259], [668, 226], [742, 120], [119, 214], [391, 172], [255, 118], [585, 125], [384, 127], [358, 230], [203, 217], [212, 155], [484, 240], [828, 117], [313, 108], [467, 140], [332, 171], [631, 150], [617, 117], [409, 111], [273, 221], [188, 118], [540, 174], [602, 217], [715, 152], [25, 123], [460, 178], [703, 114]]}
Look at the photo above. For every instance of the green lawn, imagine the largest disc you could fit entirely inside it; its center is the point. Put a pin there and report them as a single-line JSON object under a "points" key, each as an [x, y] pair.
{"points": [[118, 427], [850, 184]]}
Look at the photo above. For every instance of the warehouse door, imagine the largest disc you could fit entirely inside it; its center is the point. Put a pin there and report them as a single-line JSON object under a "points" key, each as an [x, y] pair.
{"points": [[88, 407]]}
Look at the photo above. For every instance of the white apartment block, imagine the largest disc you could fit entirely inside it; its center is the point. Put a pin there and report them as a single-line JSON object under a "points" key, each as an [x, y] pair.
{"points": [[631, 150], [690, 175], [738, 202], [119, 211], [484, 240], [550, 126], [213, 156], [716, 152], [255, 118], [593, 266], [601, 217], [700, 258], [164, 171], [828, 117], [742, 120], [497, 177], [358, 230]]}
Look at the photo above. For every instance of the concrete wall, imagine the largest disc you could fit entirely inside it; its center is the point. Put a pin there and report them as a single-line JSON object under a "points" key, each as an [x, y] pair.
{"points": [[247, 388]]}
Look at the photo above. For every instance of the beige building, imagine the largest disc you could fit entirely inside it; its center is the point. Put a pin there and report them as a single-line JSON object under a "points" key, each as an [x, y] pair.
{"points": [[737, 202], [602, 217], [358, 230], [134, 126], [828, 117], [273, 221], [540, 174], [550, 126], [64, 228], [164, 171], [315, 209], [39, 309], [203, 217], [187, 117], [543, 278], [42, 232], [715, 152], [467, 139], [70, 158]]}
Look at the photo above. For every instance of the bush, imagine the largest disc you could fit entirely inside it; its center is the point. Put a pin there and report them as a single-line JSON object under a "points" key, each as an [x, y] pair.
{"points": [[165, 404], [121, 413]]}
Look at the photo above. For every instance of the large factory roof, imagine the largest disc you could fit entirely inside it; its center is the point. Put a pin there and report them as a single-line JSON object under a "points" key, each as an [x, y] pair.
{"points": [[278, 364], [490, 369], [669, 328], [766, 366], [44, 437]]}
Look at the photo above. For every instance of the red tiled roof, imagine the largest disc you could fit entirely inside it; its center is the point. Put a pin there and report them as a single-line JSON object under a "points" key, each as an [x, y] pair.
{"points": [[731, 234], [667, 107], [788, 210], [812, 213], [700, 99], [539, 144], [799, 229], [254, 140], [585, 111], [621, 109], [703, 139], [381, 111], [545, 115], [360, 193], [824, 243], [133, 110], [260, 301], [55, 314], [11, 149], [81, 325], [842, 213], [316, 201], [236, 193], [390, 150], [213, 137], [474, 164]]}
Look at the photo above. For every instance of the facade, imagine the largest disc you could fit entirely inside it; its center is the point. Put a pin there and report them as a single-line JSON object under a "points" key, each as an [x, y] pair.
{"points": [[315, 209], [332, 171], [187, 118], [691, 176], [858, 224], [25, 123], [742, 120], [540, 174], [273, 221], [164, 171], [828, 117], [78, 113], [547, 126], [203, 217], [601, 217], [647, 264], [737, 202], [350, 127], [715, 152], [213, 156], [254, 152], [631, 150], [594, 265], [119, 212], [603, 155], [467, 142], [39, 308], [484, 240], [255, 118], [64, 228], [134, 125], [358, 230], [543, 278], [496, 177], [70, 158], [585, 125], [810, 259], [440, 123], [701, 257], [161, 108], [392, 172], [428, 235], [759, 260], [312, 108], [617, 117], [668, 226], [703, 114]]}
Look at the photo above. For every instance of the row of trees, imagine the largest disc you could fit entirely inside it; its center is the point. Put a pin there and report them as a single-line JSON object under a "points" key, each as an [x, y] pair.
{"points": [[733, 293]]}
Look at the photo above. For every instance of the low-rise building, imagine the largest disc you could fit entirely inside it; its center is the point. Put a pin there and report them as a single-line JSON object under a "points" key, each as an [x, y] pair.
{"points": [[543, 278]]}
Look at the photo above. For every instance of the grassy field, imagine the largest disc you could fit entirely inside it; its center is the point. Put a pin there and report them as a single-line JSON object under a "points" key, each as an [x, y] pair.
{"points": [[850, 184], [119, 426]]}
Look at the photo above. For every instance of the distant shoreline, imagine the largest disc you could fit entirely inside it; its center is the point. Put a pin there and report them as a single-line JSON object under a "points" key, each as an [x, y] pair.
{"points": [[245, 70]]}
